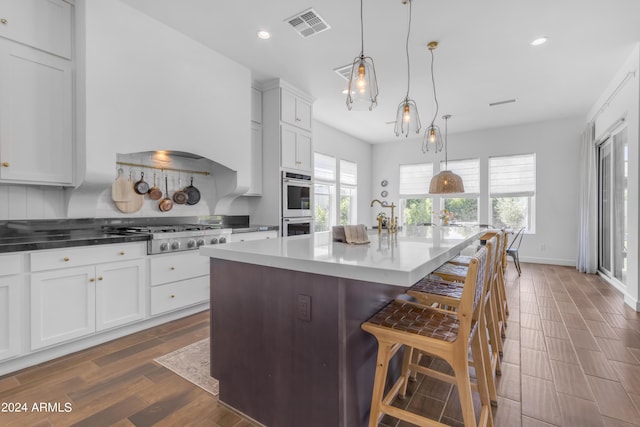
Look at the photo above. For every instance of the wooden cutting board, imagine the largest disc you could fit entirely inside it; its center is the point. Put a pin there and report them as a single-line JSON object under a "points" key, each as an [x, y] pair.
{"points": [[120, 188], [124, 196]]}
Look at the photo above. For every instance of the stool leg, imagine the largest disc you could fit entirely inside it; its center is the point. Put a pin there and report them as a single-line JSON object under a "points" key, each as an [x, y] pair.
{"points": [[382, 366], [493, 324], [489, 382], [406, 361], [461, 368], [483, 374]]}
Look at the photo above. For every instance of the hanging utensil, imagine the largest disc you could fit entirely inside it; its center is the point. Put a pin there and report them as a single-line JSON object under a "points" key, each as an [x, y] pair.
{"points": [[179, 196], [193, 194], [141, 186], [166, 204], [155, 193]]}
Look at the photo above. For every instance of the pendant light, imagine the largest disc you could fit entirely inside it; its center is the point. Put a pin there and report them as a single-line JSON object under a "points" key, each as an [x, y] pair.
{"points": [[407, 119], [432, 136], [363, 85], [446, 182]]}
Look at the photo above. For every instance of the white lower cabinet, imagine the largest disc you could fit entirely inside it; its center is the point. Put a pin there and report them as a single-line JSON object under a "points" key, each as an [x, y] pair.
{"points": [[178, 281], [10, 316], [72, 302]]}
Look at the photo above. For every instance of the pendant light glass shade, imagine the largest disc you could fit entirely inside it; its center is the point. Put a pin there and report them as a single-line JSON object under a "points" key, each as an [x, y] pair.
{"points": [[432, 136], [446, 182], [362, 93], [407, 118], [363, 85]]}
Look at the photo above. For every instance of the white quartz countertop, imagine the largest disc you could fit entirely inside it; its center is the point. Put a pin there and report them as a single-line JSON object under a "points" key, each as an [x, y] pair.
{"points": [[400, 259]]}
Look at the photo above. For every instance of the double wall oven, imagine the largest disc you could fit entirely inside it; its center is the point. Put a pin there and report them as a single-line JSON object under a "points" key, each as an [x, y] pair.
{"points": [[297, 204]]}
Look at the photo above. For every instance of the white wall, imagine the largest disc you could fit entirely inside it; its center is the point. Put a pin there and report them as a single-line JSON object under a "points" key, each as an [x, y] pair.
{"points": [[556, 144], [332, 142], [626, 104]]}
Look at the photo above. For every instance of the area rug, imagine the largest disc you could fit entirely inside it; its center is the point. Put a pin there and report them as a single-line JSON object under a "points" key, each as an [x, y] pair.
{"points": [[192, 363]]}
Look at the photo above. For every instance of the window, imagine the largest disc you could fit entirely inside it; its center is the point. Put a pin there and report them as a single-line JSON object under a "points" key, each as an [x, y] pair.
{"points": [[324, 191], [464, 207], [330, 181], [348, 192], [512, 190], [416, 205]]}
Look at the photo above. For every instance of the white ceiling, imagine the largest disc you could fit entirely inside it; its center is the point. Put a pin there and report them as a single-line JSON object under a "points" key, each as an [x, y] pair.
{"points": [[484, 55]]}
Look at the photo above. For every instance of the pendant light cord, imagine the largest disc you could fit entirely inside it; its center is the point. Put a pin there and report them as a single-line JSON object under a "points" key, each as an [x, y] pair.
{"points": [[446, 131], [407, 51], [361, 31], [435, 97]]}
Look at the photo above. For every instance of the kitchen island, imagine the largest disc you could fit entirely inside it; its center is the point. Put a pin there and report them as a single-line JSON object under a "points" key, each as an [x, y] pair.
{"points": [[286, 343]]}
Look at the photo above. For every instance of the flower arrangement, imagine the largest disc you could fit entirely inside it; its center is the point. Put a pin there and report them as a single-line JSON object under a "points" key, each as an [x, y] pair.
{"points": [[445, 216]]}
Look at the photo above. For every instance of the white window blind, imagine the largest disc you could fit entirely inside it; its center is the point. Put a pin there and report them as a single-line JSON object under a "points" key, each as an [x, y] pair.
{"points": [[415, 179], [348, 173], [324, 167], [512, 176], [469, 171]]}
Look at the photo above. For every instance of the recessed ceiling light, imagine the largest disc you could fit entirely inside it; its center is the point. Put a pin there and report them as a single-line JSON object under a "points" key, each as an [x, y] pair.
{"points": [[264, 35], [539, 41]]}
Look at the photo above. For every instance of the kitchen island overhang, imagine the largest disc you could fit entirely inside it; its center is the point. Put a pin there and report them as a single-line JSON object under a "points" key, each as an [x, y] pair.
{"points": [[286, 343]]}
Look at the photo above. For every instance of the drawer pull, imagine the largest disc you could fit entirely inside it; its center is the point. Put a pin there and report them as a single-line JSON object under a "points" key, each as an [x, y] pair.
{"points": [[122, 253], [298, 119], [4, 21], [172, 268], [173, 296], [99, 277], [5, 164], [66, 259], [92, 280]]}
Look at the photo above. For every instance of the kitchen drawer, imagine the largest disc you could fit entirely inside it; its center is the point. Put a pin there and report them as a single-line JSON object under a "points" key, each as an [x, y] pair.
{"points": [[86, 255], [11, 264], [174, 296], [174, 267]]}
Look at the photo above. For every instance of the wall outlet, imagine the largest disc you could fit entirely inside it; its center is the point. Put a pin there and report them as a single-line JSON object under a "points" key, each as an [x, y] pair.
{"points": [[304, 308]]}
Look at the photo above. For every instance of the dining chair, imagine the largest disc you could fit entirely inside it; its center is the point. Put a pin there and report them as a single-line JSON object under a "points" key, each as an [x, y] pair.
{"points": [[512, 250]]}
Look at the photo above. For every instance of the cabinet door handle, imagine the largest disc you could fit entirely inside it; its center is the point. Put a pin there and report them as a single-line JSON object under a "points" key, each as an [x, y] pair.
{"points": [[172, 268], [122, 253], [99, 277], [92, 280], [173, 296], [298, 119], [4, 21], [66, 259], [5, 164]]}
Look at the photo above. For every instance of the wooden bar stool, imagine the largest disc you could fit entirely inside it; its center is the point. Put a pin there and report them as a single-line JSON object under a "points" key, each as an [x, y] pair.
{"points": [[445, 335], [448, 294]]}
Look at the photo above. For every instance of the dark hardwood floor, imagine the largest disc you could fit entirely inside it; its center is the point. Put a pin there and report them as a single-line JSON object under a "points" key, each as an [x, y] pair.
{"points": [[571, 358]]}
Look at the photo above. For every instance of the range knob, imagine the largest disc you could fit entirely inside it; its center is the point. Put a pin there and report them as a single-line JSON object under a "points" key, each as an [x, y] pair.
{"points": [[214, 241], [200, 242], [191, 243], [175, 246], [222, 240], [164, 246]]}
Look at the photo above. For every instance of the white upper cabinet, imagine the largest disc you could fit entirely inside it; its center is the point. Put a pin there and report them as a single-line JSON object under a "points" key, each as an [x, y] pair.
{"points": [[295, 110], [36, 116], [43, 24], [296, 149]]}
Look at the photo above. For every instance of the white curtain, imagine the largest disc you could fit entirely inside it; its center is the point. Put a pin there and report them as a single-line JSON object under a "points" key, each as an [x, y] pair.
{"points": [[588, 202]]}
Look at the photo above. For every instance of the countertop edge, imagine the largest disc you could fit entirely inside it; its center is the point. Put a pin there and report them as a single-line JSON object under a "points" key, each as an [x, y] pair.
{"points": [[57, 244]]}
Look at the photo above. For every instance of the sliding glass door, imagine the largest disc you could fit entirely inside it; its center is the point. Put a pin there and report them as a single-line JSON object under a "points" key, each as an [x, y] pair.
{"points": [[612, 210]]}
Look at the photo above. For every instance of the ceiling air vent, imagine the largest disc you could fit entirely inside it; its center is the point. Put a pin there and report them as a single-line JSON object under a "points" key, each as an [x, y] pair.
{"points": [[344, 71], [308, 23]]}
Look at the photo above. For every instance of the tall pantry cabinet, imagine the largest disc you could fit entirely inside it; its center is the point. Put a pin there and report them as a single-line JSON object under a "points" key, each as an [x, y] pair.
{"points": [[287, 143], [36, 92]]}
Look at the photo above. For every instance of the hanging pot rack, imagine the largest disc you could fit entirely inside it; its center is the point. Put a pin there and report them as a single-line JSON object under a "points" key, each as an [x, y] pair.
{"points": [[163, 168]]}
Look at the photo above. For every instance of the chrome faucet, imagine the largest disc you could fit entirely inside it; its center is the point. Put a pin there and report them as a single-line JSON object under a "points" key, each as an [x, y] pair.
{"points": [[392, 225]]}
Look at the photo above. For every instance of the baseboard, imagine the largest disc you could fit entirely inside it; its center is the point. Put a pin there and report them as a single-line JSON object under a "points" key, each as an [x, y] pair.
{"points": [[632, 302], [628, 299]]}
